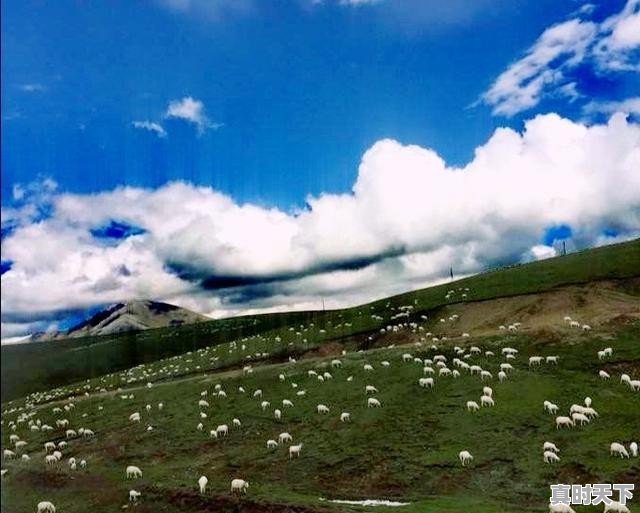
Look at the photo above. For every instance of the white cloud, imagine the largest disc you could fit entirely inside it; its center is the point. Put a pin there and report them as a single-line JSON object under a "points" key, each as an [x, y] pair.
{"points": [[628, 106], [151, 126], [545, 70], [408, 218], [191, 110]]}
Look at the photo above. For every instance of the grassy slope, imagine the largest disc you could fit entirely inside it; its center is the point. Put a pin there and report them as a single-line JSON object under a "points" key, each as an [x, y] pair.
{"points": [[407, 449], [30, 367]]}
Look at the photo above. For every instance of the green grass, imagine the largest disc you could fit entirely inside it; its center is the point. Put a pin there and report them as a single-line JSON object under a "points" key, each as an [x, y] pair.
{"points": [[31, 367], [406, 450]]}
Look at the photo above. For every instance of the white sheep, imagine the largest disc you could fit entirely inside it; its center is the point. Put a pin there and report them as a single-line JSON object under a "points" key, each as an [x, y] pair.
{"points": [[367, 367], [284, 437], [272, 444], [345, 417], [133, 472], [561, 507], [294, 450], [202, 483], [472, 406], [372, 402], [370, 389], [135, 417], [615, 507], [618, 448], [287, 404], [321, 408], [486, 400], [277, 414], [563, 421], [535, 360], [550, 446], [239, 486], [134, 495], [9, 454], [264, 405], [487, 391], [426, 382], [502, 375], [465, 457], [485, 374], [550, 407], [587, 401], [222, 430], [550, 457], [552, 359], [237, 423], [633, 447], [50, 459], [46, 507], [604, 374]]}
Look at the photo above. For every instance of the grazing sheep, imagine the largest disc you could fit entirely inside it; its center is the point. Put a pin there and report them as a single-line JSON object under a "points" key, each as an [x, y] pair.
{"points": [[367, 367], [277, 414], [552, 359], [202, 483], [272, 444], [46, 507], [25, 457], [601, 355], [581, 418], [535, 360], [506, 366], [336, 364], [345, 417], [239, 486], [635, 385], [485, 374], [83, 463], [465, 457], [487, 391], [133, 472], [287, 404], [284, 437], [222, 430], [587, 401], [8, 454], [294, 450], [563, 421], [372, 402], [550, 407], [213, 434], [237, 423], [203, 404], [502, 375], [615, 507], [617, 448], [604, 374], [264, 405], [633, 447], [486, 400], [550, 446], [50, 459], [385, 363], [472, 406], [370, 389], [426, 382], [200, 426], [134, 495], [135, 417], [321, 408], [550, 457], [560, 508]]}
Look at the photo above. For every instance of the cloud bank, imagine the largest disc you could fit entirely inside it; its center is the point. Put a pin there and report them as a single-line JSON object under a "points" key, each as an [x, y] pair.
{"points": [[552, 66], [407, 219]]}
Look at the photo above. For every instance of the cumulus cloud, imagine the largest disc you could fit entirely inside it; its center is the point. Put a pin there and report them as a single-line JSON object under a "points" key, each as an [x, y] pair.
{"points": [[408, 218], [549, 66], [191, 110], [151, 126]]}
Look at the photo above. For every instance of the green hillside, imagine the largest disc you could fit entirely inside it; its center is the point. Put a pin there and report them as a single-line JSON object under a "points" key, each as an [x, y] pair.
{"points": [[31, 367]]}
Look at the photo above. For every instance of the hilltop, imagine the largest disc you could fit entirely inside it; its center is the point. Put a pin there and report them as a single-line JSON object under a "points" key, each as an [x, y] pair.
{"points": [[124, 317]]}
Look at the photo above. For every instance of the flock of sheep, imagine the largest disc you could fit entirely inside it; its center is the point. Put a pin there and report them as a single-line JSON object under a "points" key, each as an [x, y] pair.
{"points": [[27, 419]]}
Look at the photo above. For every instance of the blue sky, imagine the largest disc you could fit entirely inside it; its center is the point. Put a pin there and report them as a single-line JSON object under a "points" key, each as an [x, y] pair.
{"points": [[274, 105]]}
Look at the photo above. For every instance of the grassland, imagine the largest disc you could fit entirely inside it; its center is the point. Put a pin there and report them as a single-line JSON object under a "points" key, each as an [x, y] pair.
{"points": [[406, 450]]}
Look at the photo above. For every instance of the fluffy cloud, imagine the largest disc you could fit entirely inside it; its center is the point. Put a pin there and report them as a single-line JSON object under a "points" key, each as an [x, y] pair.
{"points": [[151, 126], [407, 219], [191, 110], [548, 67]]}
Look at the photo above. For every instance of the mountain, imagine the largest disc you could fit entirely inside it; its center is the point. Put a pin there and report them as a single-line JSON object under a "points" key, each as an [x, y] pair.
{"points": [[131, 316]]}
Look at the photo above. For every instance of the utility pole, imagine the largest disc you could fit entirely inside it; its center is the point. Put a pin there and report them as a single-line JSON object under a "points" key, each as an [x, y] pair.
{"points": [[451, 272], [564, 248], [323, 304]]}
